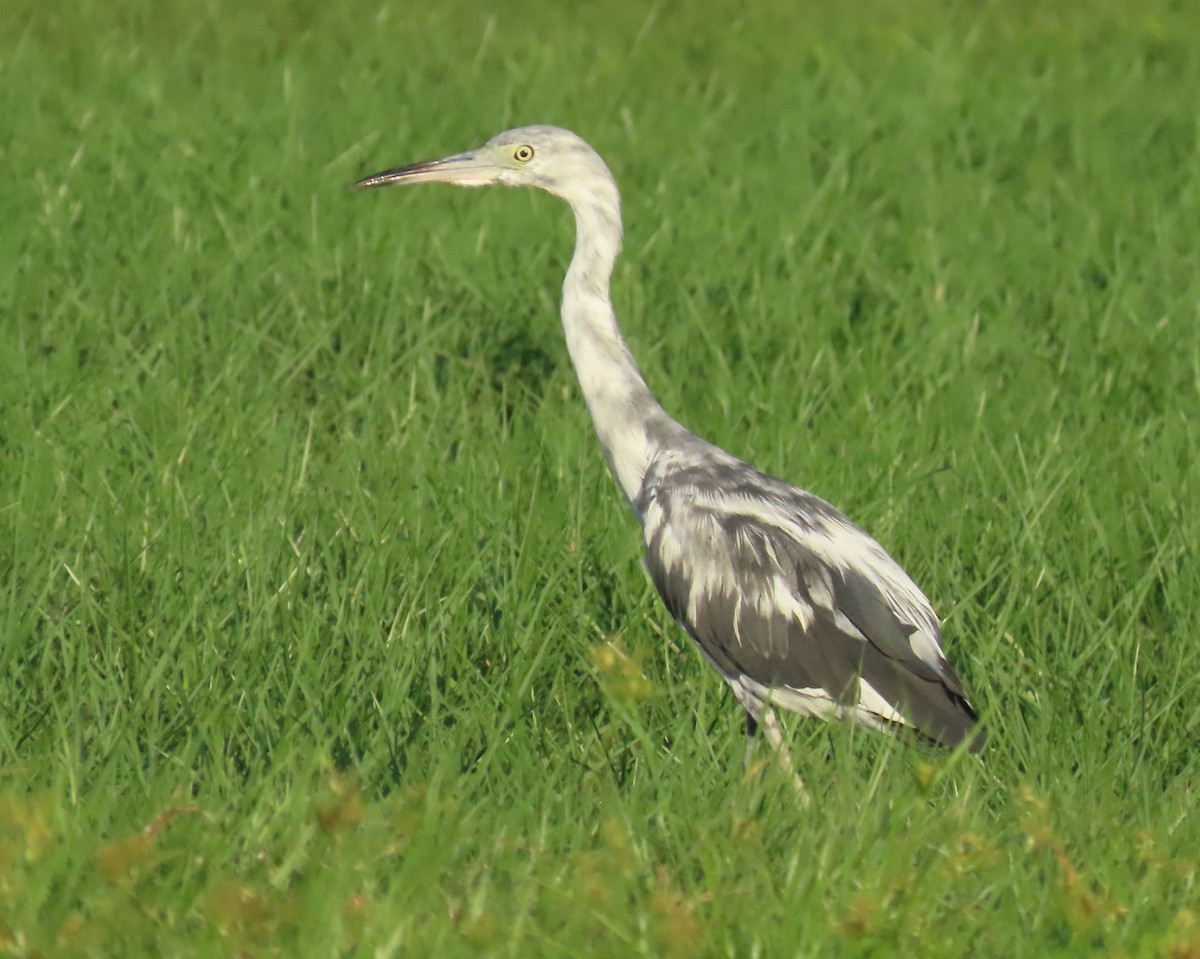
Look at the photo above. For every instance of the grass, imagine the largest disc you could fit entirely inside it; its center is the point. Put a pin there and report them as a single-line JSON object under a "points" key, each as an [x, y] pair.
{"points": [[324, 630]]}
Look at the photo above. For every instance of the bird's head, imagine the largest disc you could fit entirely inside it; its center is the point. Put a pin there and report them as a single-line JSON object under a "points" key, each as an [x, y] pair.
{"points": [[546, 157]]}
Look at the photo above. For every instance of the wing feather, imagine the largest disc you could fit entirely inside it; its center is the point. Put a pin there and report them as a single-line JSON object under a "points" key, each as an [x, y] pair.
{"points": [[784, 591]]}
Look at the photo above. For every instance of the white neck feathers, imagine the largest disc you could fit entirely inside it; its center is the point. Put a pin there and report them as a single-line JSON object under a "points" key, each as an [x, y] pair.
{"points": [[623, 409]]}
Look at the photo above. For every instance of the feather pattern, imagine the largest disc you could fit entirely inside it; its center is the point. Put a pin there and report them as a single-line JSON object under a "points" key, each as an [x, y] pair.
{"points": [[791, 601]]}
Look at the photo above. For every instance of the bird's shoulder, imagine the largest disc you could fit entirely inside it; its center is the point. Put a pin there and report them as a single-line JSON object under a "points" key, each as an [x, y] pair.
{"points": [[715, 503]]}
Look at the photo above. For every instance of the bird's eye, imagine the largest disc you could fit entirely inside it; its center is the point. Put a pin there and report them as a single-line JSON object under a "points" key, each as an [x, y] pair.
{"points": [[524, 153]]}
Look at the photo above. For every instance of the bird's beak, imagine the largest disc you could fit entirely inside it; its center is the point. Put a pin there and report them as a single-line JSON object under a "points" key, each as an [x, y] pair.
{"points": [[463, 169]]}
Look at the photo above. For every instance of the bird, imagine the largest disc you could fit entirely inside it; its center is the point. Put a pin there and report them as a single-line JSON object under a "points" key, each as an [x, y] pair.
{"points": [[796, 606]]}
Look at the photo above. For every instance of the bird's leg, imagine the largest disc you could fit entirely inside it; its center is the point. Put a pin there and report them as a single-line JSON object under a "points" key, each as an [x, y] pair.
{"points": [[758, 713], [774, 734], [751, 732]]}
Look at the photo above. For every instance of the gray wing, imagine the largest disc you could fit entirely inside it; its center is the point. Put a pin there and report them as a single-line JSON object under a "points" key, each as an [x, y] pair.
{"points": [[779, 588]]}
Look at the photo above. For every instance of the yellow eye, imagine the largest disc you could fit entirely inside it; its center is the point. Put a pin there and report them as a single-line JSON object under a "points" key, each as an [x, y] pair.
{"points": [[524, 153]]}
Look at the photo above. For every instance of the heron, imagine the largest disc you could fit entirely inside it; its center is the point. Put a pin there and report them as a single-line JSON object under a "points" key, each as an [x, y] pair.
{"points": [[795, 605]]}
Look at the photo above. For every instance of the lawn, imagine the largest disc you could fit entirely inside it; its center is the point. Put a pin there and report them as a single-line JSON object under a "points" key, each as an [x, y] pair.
{"points": [[325, 630]]}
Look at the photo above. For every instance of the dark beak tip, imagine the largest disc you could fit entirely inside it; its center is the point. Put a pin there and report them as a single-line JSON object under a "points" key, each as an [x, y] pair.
{"points": [[367, 182]]}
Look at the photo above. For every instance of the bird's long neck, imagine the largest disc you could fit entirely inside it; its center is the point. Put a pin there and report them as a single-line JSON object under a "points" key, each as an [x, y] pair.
{"points": [[629, 420]]}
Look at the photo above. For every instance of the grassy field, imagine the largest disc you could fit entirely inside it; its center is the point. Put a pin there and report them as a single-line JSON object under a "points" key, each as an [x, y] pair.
{"points": [[324, 629]]}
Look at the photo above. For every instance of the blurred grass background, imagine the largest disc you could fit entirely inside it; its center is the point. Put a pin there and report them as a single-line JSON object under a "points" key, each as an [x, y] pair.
{"points": [[324, 629]]}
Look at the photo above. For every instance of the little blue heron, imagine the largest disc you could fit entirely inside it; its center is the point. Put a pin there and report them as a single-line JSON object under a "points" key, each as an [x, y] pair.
{"points": [[794, 604]]}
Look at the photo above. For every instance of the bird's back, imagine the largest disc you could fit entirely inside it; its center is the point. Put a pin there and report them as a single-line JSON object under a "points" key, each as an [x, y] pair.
{"points": [[796, 605]]}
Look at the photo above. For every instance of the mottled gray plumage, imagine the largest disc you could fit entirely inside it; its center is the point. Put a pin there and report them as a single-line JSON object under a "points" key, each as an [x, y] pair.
{"points": [[857, 634], [794, 604], [844, 629]]}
